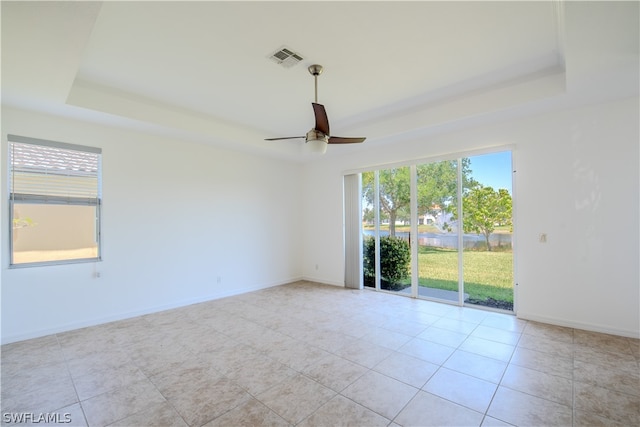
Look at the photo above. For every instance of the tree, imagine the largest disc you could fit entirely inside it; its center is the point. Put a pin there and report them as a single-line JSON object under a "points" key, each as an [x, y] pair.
{"points": [[368, 215], [437, 186], [483, 209], [395, 192]]}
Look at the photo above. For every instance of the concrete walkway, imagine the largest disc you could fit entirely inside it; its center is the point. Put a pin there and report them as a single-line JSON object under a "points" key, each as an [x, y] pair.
{"points": [[435, 293]]}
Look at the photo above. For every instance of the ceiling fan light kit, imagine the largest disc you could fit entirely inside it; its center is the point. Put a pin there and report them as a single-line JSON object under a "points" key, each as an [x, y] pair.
{"points": [[317, 146], [319, 137], [317, 141]]}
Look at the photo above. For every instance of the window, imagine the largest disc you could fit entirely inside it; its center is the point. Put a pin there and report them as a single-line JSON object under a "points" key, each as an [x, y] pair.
{"points": [[55, 198], [439, 230]]}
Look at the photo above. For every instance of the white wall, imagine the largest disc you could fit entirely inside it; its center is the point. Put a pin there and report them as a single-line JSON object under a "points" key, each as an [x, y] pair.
{"points": [[577, 181], [176, 216]]}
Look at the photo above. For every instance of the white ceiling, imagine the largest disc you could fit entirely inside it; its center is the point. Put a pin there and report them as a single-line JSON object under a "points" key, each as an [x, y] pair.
{"points": [[393, 70]]}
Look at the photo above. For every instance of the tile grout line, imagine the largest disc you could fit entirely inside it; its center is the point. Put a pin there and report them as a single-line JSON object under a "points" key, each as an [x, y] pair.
{"points": [[319, 300], [73, 382], [508, 363]]}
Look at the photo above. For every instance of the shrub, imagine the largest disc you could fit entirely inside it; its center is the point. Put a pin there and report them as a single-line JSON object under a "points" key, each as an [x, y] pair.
{"points": [[395, 257]]}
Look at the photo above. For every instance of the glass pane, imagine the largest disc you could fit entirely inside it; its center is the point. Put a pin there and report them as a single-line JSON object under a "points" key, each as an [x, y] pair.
{"points": [[54, 171], [368, 230], [395, 229], [43, 232], [488, 256], [437, 230]]}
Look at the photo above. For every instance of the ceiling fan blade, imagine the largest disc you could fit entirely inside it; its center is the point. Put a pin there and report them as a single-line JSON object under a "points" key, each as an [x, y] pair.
{"points": [[341, 140], [322, 121], [286, 137]]}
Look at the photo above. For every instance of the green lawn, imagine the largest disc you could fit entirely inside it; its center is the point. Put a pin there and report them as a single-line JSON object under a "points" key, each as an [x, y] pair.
{"points": [[487, 274]]}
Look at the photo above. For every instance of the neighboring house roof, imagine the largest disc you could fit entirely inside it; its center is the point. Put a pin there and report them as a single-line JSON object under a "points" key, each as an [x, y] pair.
{"points": [[43, 159]]}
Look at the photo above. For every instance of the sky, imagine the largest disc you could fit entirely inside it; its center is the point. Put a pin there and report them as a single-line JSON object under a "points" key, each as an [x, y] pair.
{"points": [[493, 170]]}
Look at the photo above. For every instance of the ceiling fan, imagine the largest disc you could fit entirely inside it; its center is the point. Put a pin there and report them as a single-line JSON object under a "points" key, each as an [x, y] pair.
{"points": [[319, 136]]}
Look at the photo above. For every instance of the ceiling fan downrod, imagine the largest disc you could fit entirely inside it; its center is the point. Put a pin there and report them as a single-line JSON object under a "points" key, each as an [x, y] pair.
{"points": [[315, 71]]}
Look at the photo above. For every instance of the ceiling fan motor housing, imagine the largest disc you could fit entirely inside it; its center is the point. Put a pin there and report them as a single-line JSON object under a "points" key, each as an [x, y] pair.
{"points": [[316, 135]]}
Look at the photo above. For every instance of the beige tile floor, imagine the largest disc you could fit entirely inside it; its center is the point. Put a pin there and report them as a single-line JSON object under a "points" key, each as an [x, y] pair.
{"points": [[312, 355]]}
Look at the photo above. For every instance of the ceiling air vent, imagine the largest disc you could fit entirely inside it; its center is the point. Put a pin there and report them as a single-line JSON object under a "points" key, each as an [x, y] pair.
{"points": [[285, 57]]}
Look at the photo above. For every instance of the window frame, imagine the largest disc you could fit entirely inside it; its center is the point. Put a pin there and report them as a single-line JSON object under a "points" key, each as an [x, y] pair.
{"points": [[413, 163], [47, 199]]}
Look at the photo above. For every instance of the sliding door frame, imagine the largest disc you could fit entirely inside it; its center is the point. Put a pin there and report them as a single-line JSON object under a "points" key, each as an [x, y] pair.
{"points": [[412, 164]]}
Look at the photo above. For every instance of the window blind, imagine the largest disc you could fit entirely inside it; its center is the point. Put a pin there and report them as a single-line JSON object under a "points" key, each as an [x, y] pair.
{"points": [[352, 231], [53, 172]]}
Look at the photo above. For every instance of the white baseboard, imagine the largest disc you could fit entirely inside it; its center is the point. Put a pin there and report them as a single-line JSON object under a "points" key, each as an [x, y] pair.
{"points": [[578, 325], [323, 281]]}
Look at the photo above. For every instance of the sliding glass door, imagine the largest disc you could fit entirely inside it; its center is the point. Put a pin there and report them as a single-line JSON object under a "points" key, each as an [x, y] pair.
{"points": [[441, 230], [437, 189], [387, 229], [370, 218], [488, 231]]}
